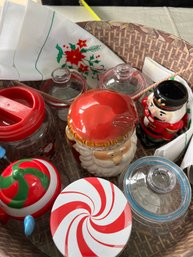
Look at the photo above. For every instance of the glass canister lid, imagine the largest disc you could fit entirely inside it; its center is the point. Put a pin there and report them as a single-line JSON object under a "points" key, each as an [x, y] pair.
{"points": [[65, 85], [157, 189], [124, 79]]}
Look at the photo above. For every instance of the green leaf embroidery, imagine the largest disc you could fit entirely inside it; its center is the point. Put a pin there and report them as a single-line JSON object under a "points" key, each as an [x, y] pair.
{"points": [[91, 49], [72, 46], [83, 50], [60, 53]]}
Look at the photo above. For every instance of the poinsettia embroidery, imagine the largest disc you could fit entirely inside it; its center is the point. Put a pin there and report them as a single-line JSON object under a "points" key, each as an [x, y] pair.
{"points": [[80, 57]]}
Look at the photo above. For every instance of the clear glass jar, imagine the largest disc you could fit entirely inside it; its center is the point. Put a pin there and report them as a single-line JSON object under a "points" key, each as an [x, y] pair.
{"points": [[39, 144], [159, 194], [124, 79], [27, 127], [65, 85]]}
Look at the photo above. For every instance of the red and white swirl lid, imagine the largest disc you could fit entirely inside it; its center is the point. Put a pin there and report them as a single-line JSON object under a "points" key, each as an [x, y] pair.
{"points": [[91, 217]]}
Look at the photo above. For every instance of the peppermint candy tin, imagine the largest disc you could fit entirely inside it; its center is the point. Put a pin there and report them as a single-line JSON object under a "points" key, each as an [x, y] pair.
{"points": [[91, 217]]}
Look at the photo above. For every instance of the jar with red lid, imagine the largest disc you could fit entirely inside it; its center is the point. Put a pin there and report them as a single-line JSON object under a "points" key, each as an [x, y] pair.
{"points": [[27, 127], [101, 131]]}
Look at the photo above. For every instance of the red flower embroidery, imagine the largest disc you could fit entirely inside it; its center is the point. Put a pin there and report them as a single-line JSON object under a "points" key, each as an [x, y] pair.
{"points": [[74, 56], [83, 68], [81, 43]]}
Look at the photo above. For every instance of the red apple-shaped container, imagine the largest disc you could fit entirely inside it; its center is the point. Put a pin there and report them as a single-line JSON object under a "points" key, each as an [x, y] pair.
{"points": [[101, 131], [28, 187]]}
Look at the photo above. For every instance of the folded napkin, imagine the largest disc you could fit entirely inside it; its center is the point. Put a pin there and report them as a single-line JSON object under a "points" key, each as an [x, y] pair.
{"points": [[34, 40], [187, 161], [175, 148]]}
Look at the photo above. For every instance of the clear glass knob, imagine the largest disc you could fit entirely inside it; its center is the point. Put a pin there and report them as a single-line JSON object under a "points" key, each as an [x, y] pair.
{"points": [[123, 71], [160, 179], [60, 76]]}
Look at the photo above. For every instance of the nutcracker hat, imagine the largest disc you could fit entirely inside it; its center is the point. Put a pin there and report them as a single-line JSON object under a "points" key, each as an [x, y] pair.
{"points": [[170, 95]]}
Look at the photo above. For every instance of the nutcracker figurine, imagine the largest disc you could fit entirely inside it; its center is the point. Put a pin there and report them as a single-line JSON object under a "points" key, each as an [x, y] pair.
{"points": [[164, 113]]}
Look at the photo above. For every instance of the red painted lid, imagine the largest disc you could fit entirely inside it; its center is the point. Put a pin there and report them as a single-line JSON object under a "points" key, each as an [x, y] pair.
{"points": [[101, 117], [22, 112], [23, 183]]}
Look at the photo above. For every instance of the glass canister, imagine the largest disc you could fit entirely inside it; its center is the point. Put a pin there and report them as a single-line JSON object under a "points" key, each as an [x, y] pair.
{"points": [[65, 85], [124, 79], [27, 127], [101, 131], [91, 217], [159, 194], [28, 189]]}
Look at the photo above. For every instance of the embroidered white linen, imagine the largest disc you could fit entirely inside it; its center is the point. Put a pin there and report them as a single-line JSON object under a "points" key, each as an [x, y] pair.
{"points": [[34, 40]]}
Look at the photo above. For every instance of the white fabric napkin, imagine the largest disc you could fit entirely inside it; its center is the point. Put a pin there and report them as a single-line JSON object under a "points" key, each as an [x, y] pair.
{"points": [[34, 40], [11, 19], [177, 146]]}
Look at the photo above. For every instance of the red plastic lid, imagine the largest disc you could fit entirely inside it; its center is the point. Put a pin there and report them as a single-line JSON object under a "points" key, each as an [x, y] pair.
{"points": [[22, 112], [29, 187], [23, 183], [101, 117]]}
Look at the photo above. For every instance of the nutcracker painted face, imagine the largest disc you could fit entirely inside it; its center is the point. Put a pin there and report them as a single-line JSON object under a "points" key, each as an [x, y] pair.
{"points": [[164, 115]]}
